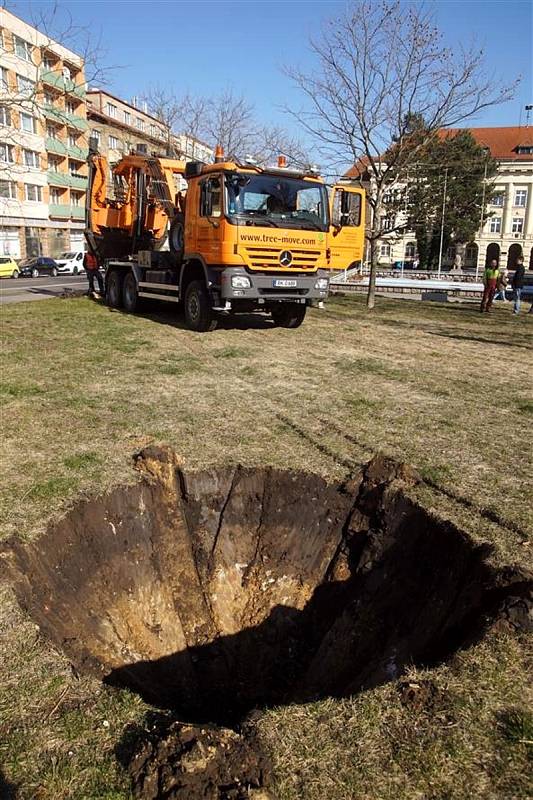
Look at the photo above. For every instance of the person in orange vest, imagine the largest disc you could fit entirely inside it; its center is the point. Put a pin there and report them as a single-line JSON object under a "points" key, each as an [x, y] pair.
{"points": [[490, 277], [91, 267]]}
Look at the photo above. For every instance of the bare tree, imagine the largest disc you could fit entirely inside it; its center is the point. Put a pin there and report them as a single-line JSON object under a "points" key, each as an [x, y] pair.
{"points": [[378, 67], [273, 141], [168, 108], [226, 119], [230, 122]]}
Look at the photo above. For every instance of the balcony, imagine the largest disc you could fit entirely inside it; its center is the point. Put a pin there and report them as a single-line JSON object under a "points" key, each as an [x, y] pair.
{"points": [[77, 153], [77, 212], [55, 146], [78, 90], [55, 114], [58, 178], [54, 79], [73, 121], [59, 210], [78, 181]]}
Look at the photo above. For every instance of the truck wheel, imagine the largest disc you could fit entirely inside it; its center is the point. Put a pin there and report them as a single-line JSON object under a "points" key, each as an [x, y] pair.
{"points": [[130, 294], [176, 237], [197, 308], [288, 315], [114, 289]]}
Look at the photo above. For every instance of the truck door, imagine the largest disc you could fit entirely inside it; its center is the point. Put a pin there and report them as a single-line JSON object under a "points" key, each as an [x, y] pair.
{"points": [[209, 228], [346, 234]]}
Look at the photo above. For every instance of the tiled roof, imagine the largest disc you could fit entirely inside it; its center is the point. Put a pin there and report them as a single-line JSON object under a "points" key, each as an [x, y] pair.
{"points": [[503, 143]]}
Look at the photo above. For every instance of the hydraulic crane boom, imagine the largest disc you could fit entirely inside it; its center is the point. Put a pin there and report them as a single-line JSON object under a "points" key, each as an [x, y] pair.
{"points": [[137, 216]]}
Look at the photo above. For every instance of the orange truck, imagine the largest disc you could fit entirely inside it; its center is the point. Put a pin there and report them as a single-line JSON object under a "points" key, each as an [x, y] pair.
{"points": [[241, 238]]}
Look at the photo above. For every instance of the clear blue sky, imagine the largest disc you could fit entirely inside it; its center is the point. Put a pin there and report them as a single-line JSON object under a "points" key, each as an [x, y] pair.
{"points": [[206, 45]]}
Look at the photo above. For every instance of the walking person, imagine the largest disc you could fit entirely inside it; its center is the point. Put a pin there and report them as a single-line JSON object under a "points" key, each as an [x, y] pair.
{"points": [[91, 267], [501, 284], [518, 283], [490, 276]]}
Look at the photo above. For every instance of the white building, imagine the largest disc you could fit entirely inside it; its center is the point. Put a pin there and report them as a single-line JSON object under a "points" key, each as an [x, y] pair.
{"points": [[508, 233]]}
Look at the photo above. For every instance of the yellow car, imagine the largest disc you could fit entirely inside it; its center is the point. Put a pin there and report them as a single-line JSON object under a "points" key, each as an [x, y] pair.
{"points": [[8, 267]]}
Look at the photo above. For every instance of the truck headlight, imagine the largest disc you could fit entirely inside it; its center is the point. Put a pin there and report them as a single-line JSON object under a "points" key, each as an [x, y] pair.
{"points": [[240, 282], [322, 284]]}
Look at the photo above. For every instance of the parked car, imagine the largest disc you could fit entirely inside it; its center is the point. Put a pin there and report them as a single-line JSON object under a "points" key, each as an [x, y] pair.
{"points": [[70, 263], [8, 267], [409, 263], [33, 267]]}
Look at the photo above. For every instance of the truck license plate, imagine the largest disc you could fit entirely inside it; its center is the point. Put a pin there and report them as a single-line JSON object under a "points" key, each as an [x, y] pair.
{"points": [[285, 283]]}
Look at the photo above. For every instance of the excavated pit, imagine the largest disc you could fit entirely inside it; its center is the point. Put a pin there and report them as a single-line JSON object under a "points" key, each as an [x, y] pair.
{"points": [[214, 593]]}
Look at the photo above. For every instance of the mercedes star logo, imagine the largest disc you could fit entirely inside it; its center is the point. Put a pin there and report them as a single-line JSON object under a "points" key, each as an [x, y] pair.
{"points": [[285, 258]]}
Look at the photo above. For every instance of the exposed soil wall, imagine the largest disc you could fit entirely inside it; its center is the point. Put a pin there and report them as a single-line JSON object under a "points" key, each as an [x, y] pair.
{"points": [[216, 592]]}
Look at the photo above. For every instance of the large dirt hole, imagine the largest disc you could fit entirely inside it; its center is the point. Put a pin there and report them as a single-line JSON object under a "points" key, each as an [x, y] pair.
{"points": [[217, 592]]}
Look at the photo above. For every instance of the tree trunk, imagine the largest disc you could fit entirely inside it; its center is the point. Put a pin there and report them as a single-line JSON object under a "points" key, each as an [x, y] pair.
{"points": [[371, 296]]}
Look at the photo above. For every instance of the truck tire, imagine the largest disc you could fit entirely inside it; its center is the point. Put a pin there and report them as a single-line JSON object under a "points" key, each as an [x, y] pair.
{"points": [[288, 315], [176, 237], [130, 294], [114, 289], [197, 308]]}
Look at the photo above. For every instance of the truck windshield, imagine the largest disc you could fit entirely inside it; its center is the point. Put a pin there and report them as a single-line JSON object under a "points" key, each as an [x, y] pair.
{"points": [[277, 201]]}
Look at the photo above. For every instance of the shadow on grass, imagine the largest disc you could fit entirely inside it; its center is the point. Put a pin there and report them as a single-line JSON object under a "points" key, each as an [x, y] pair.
{"points": [[465, 502], [483, 339], [8, 791], [225, 322]]}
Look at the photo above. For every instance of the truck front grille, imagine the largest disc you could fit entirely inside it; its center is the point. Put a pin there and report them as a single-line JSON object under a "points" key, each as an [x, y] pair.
{"points": [[265, 258]]}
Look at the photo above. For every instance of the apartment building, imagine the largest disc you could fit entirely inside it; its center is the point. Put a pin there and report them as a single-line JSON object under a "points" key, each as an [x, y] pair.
{"points": [[43, 142], [119, 127], [508, 232]]}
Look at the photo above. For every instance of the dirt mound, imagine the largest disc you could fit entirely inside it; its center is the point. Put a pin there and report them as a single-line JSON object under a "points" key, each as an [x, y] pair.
{"points": [[186, 762], [217, 592]]}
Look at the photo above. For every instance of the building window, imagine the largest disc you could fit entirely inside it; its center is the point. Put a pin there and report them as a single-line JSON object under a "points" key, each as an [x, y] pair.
{"points": [[142, 148], [8, 190], [67, 74], [47, 63], [384, 251], [25, 85], [111, 110], [6, 153], [127, 118], [49, 99], [53, 164], [31, 158], [387, 223], [114, 142], [75, 199], [410, 250], [5, 116], [73, 168], [3, 79], [51, 132], [520, 198], [72, 140], [498, 199], [70, 107], [525, 149], [33, 192], [471, 253], [139, 123], [495, 225], [22, 48], [56, 196], [28, 123], [518, 225]]}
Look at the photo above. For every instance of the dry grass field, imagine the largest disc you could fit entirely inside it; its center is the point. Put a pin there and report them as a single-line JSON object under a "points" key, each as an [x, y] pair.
{"points": [[439, 386]]}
